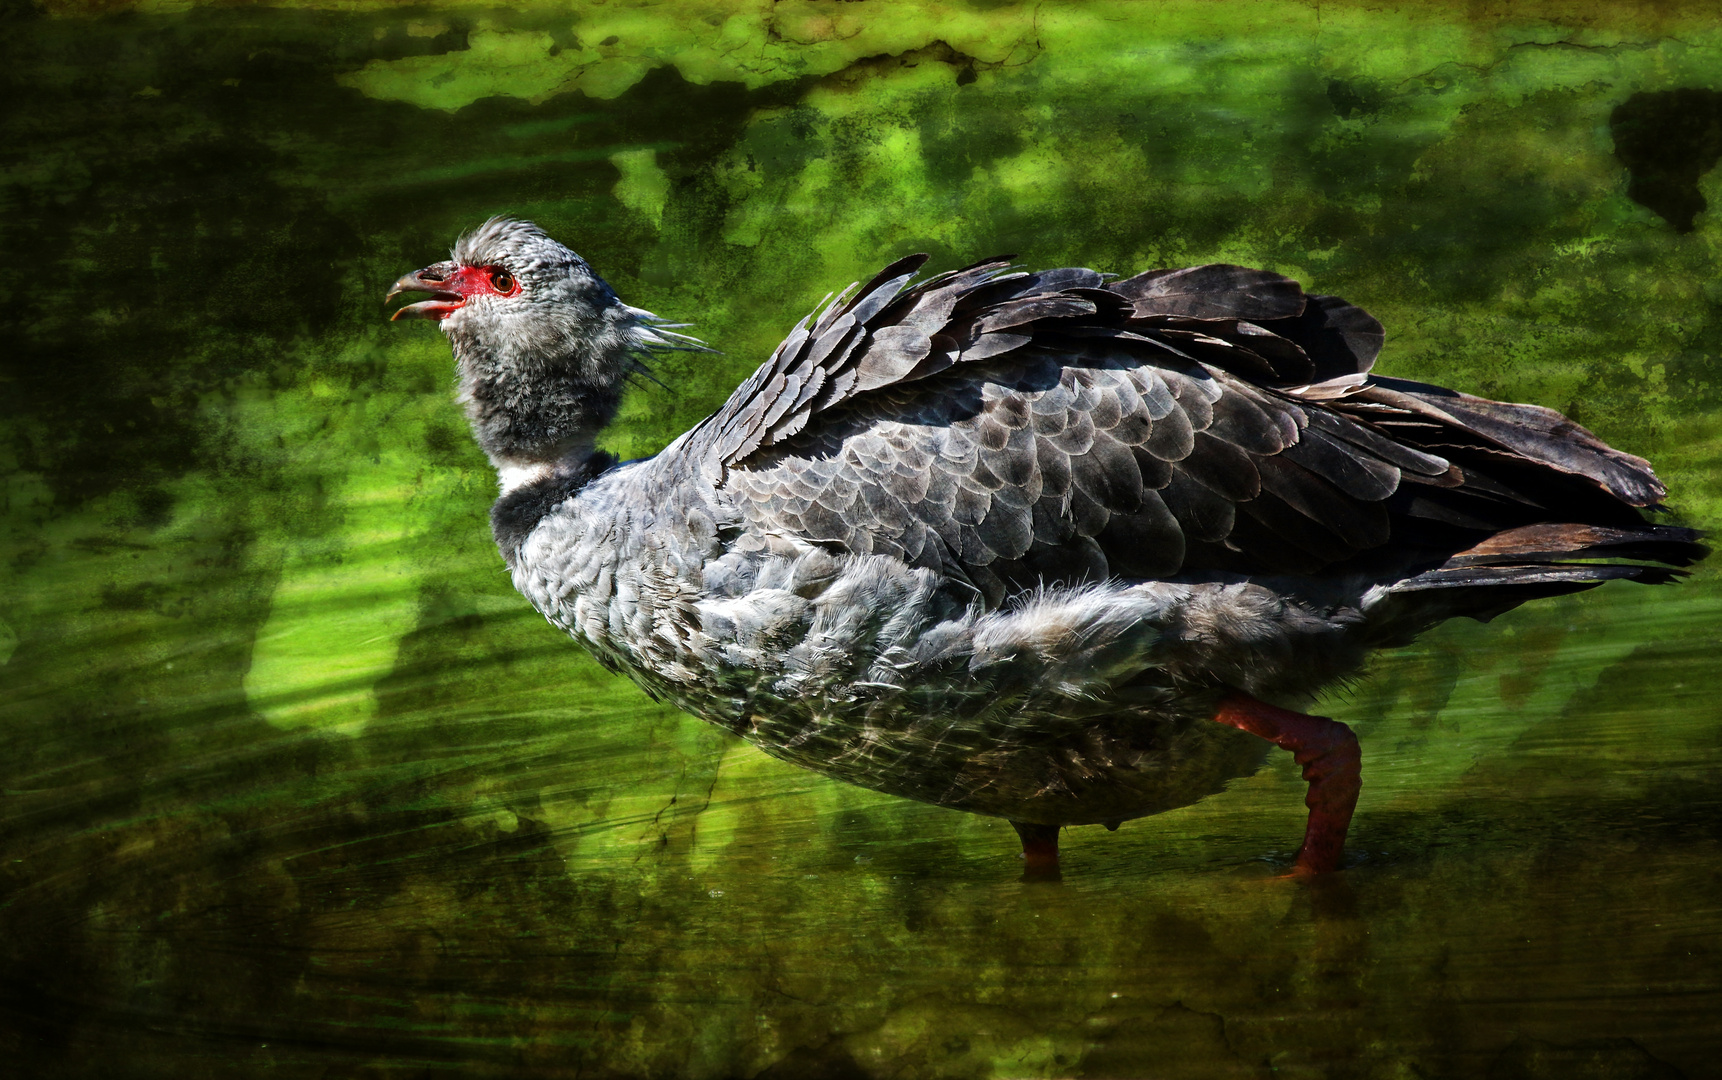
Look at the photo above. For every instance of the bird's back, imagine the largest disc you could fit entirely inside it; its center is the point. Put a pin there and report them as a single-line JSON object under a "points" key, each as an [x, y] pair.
{"points": [[1013, 431]]}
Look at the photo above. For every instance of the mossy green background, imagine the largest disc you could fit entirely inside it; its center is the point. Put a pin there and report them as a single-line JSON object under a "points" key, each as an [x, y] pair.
{"points": [[294, 784]]}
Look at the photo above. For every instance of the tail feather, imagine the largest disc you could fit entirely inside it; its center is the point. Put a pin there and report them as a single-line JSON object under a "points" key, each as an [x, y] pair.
{"points": [[1531, 431], [1668, 544], [1581, 574], [1580, 555]]}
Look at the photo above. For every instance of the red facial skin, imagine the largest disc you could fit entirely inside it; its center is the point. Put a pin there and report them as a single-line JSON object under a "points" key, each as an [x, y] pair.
{"points": [[450, 289]]}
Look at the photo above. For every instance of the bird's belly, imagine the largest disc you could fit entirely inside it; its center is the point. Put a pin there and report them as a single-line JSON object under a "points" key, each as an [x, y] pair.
{"points": [[1101, 769], [1024, 757], [867, 672]]}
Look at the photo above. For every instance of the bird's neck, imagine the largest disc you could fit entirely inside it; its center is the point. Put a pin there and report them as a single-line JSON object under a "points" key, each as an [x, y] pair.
{"points": [[534, 418]]}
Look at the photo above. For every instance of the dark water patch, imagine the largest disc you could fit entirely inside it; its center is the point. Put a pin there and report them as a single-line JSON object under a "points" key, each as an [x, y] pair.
{"points": [[935, 52], [1590, 1059], [829, 1061], [1353, 99], [274, 908], [1668, 140]]}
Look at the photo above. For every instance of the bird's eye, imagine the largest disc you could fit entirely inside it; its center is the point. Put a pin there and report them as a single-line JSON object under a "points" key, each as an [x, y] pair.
{"points": [[502, 280]]}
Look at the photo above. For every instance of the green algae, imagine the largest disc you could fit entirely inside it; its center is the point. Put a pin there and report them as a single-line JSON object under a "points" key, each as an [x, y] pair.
{"points": [[294, 782]]}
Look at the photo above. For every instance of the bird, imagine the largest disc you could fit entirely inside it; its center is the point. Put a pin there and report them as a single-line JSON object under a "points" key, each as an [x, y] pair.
{"points": [[1057, 547]]}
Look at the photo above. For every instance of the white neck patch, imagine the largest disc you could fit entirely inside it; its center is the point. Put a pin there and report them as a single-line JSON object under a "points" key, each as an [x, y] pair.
{"points": [[510, 476]]}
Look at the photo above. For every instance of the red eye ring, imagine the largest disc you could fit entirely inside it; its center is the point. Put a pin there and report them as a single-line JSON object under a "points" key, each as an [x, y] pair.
{"points": [[502, 281]]}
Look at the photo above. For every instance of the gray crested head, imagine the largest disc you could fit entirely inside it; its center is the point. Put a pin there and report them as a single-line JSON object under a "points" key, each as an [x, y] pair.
{"points": [[543, 346]]}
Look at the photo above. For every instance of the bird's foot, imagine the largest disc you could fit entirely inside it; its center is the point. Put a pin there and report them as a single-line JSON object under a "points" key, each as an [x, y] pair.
{"points": [[1332, 763], [1039, 851]]}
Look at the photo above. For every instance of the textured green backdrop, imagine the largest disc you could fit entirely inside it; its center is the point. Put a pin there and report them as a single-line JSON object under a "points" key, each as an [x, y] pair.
{"points": [[291, 783]]}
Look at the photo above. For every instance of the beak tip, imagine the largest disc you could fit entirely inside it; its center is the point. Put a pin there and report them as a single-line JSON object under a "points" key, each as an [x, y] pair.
{"points": [[443, 301]]}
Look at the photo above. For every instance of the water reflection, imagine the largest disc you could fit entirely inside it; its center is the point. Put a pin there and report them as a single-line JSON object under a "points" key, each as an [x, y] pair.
{"points": [[601, 880]]}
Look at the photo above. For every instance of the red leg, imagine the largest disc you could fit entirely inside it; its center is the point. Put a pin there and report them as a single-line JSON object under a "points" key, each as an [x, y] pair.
{"points": [[1331, 762], [1039, 850]]}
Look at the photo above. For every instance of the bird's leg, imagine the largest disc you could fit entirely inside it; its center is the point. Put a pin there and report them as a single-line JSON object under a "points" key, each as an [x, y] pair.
{"points": [[1331, 762], [1039, 850]]}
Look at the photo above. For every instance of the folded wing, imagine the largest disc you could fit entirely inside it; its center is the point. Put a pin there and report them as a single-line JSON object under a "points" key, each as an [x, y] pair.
{"points": [[1013, 429]]}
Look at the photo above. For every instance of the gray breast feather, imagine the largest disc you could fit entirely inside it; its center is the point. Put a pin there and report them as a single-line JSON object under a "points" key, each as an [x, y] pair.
{"points": [[771, 617]]}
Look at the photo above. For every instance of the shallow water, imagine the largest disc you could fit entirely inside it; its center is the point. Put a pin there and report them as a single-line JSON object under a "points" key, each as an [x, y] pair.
{"points": [[293, 783]]}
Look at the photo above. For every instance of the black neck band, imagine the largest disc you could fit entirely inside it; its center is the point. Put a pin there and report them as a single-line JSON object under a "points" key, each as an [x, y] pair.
{"points": [[517, 513]]}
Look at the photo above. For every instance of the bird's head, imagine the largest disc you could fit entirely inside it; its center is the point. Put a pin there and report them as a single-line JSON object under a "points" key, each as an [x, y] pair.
{"points": [[508, 293], [543, 345]]}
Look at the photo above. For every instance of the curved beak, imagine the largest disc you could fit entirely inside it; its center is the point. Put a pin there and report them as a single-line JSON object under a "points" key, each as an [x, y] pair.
{"points": [[443, 301]]}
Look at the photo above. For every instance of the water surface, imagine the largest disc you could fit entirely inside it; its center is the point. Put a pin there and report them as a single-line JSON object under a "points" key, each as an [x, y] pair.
{"points": [[294, 784]]}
